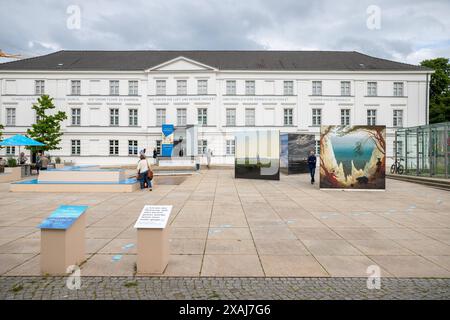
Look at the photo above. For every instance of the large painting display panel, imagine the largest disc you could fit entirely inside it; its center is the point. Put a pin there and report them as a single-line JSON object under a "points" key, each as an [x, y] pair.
{"points": [[299, 147], [284, 152], [353, 157], [257, 155], [179, 142], [295, 148]]}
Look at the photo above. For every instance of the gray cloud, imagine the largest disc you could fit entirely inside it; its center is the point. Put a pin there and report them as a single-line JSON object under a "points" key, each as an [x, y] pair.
{"points": [[410, 30]]}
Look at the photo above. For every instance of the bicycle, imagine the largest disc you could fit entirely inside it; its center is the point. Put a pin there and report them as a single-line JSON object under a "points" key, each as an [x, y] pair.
{"points": [[397, 167]]}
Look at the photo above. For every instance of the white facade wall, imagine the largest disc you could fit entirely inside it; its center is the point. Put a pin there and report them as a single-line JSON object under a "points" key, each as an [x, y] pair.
{"points": [[17, 90]]}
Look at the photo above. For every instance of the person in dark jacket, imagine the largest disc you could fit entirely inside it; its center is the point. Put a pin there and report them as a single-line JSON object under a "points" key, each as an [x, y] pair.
{"points": [[312, 165]]}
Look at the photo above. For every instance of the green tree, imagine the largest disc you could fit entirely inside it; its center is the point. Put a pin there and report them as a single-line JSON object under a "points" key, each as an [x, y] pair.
{"points": [[439, 89], [47, 128]]}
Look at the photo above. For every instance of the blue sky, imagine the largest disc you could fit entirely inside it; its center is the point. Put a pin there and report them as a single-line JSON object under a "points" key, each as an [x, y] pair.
{"points": [[408, 31]]}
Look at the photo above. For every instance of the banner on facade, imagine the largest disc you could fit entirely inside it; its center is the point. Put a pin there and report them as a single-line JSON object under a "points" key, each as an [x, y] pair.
{"points": [[167, 140]]}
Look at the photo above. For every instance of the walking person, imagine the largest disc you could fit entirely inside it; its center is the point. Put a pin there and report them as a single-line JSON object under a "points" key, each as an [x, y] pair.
{"points": [[312, 165], [38, 162], [208, 157], [2, 165], [44, 161], [155, 155], [143, 172], [22, 158]]}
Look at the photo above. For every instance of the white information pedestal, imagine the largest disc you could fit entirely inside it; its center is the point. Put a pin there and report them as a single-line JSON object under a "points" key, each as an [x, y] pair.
{"points": [[153, 239]]}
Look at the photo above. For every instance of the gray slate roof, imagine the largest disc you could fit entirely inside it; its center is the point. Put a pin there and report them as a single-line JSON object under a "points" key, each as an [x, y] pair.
{"points": [[222, 60]]}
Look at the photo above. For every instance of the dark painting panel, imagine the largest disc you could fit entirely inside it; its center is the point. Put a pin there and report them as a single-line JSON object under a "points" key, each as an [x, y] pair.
{"points": [[295, 148]]}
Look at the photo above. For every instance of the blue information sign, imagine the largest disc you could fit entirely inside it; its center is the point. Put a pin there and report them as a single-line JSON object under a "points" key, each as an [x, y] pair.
{"points": [[167, 140], [166, 150], [167, 130], [63, 217]]}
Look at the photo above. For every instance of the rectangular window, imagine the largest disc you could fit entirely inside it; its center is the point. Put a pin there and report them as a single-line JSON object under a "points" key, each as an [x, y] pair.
{"points": [[181, 117], [113, 117], [371, 89], [132, 147], [371, 117], [161, 87], [317, 147], [76, 147], [202, 146], [202, 87], [158, 147], [249, 117], [39, 87], [160, 117], [10, 151], [345, 117], [231, 147], [345, 88], [113, 147], [10, 116], [76, 116], [250, 87], [114, 87], [133, 88], [231, 87], [316, 117], [398, 89], [181, 87], [202, 116], [76, 87], [288, 116], [132, 117], [288, 88], [397, 120], [231, 117], [317, 88]]}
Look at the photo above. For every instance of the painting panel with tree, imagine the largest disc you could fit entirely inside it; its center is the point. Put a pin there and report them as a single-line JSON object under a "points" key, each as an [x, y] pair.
{"points": [[353, 157]]}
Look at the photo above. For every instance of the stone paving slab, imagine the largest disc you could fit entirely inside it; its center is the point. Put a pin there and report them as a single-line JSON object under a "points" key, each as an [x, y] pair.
{"points": [[221, 226], [214, 288]]}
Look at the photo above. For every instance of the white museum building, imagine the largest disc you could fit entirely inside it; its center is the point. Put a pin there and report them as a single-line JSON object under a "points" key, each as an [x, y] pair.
{"points": [[116, 101]]}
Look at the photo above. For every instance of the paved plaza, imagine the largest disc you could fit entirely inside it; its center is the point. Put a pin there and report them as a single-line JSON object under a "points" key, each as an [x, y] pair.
{"points": [[226, 227]]}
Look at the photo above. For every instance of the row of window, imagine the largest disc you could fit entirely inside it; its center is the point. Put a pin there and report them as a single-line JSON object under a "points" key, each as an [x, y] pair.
{"points": [[230, 147], [288, 117], [133, 147], [397, 118], [133, 87], [202, 87], [372, 88], [202, 117]]}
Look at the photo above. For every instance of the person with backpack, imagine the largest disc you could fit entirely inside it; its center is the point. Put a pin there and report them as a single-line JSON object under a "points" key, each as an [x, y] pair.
{"points": [[312, 165], [144, 173], [208, 158]]}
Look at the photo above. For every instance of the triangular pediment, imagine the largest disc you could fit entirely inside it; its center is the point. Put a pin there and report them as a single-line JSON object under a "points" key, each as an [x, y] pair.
{"points": [[182, 64]]}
